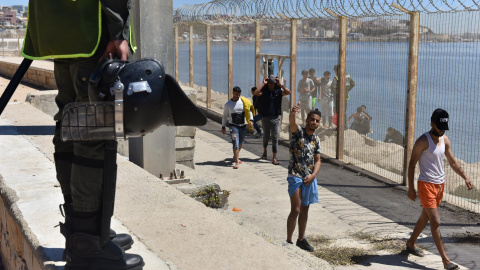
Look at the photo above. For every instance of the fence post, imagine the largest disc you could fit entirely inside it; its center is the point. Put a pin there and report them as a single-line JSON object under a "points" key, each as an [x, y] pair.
{"points": [[209, 67], [258, 44], [342, 61], [176, 52], [230, 61], [293, 62], [19, 48], [191, 55], [411, 91], [3, 46]]}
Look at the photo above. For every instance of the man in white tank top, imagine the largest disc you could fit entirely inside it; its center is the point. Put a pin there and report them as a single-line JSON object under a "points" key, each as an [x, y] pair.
{"points": [[428, 151]]}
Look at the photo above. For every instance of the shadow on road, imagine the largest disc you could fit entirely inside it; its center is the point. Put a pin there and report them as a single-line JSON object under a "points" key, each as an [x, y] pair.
{"points": [[400, 259], [27, 130]]}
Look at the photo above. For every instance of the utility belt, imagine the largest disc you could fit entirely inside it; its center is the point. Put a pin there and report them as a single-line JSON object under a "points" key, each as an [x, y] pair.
{"points": [[238, 118]]}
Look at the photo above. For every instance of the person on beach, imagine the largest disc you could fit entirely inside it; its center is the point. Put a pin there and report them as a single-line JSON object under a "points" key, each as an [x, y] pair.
{"points": [[234, 112], [359, 122], [349, 84], [302, 170], [271, 91], [305, 89], [394, 136], [326, 101], [316, 92], [429, 151]]}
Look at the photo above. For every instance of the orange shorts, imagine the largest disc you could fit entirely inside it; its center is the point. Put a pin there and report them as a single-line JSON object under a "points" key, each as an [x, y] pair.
{"points": [[430, 194]]}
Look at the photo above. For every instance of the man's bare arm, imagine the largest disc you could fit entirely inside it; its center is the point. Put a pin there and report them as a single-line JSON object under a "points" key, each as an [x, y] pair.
{"points": [[316, 168], [258, 91], [420, 145], [291, 119], [285, 91]]}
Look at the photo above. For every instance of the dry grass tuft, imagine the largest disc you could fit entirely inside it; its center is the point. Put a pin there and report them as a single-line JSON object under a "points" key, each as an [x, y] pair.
{"points": [[341, 255], [466, 238], [381, 243]]}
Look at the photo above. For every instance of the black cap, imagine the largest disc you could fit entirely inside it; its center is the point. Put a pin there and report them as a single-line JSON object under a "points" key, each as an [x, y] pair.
{"points": [[440, 119], [271, 79]]}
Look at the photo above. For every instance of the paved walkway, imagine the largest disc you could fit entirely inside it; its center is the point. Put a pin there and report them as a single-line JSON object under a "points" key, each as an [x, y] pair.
{"points": [[260, 190]]}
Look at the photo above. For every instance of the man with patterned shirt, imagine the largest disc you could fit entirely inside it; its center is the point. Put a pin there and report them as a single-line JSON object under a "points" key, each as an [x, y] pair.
{"points": [[304, 166]]}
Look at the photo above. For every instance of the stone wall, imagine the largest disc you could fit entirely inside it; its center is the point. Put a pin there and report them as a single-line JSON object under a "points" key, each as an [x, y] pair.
{"points": [[16, 249], [39, 77]]}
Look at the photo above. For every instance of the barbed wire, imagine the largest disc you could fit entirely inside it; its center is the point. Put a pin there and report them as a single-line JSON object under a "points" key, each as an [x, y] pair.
{"points": [[245, 11]]}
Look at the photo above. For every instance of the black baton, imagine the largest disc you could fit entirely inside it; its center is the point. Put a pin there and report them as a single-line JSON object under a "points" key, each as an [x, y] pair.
{"points": [[14, 82]]}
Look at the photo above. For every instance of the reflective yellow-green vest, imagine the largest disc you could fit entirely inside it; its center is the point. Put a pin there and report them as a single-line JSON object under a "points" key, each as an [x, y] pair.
{"points": [[63, 29]]}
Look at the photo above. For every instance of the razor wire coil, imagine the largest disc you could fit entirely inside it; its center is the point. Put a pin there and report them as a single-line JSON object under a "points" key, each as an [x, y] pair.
{"points": [[246, 11]]}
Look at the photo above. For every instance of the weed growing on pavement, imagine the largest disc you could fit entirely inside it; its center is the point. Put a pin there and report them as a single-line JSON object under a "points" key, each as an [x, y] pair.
{"points": [[466, 238], [341, 255], [211, 196], [336, 255], [394, 245], [319, 240]]}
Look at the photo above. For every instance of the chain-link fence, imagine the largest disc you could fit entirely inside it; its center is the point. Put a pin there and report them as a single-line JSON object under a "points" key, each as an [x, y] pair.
{"points": [[377, 61]]}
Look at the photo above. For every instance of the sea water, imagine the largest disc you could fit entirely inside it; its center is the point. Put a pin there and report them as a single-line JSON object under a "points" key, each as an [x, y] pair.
{"points": [[448, 78]]}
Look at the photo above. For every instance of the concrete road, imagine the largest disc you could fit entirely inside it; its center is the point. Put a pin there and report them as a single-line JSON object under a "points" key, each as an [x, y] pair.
{"points": [[388, 201]]}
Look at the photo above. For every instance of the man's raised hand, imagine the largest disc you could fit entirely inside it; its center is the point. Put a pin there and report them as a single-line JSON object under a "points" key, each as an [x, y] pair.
{"points": [[296, 108]]}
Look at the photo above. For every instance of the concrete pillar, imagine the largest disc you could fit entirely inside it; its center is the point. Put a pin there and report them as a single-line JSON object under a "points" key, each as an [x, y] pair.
{"points": [[154, 152]]}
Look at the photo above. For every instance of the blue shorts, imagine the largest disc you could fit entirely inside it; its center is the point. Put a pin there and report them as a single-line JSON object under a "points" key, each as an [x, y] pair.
{"points": [[309, 193], [238, 135]]}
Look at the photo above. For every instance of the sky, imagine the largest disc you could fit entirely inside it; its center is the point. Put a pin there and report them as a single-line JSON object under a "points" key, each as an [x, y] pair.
{"points": [[176, 3]]}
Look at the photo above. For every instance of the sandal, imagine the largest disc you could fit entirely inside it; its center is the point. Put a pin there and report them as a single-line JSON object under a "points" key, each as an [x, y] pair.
{"points": [[275, 163], [264, 157], [415, 251], [452, 266], [235, 165]]}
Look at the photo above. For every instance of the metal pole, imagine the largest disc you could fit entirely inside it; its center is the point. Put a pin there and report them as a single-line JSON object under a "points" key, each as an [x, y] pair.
{"points": [[209, 67], [258, 44], [191, 55], [176, 53], [411, 91], [293, 62], [14, 82], [230, 61], [342, 61], [19, 47], [3, 46]]}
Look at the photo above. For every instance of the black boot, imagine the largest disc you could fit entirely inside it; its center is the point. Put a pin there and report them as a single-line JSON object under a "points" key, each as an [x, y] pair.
{"points": [[124, 240], [85, 252]]}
